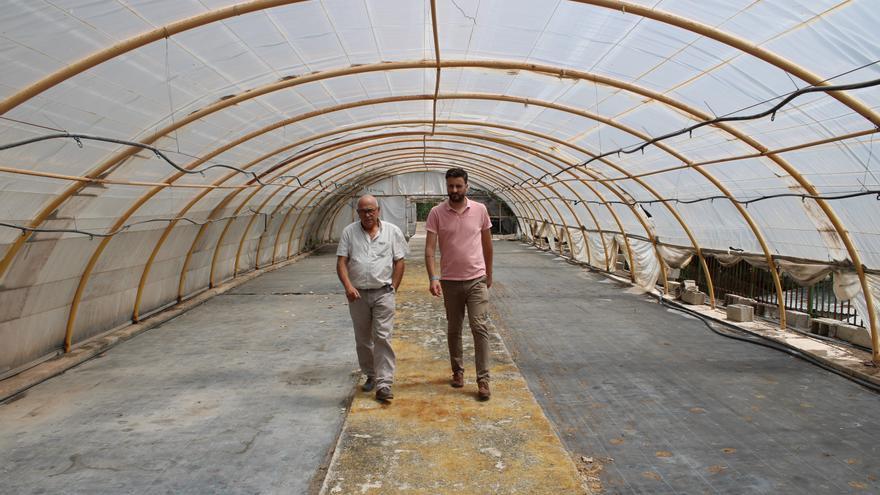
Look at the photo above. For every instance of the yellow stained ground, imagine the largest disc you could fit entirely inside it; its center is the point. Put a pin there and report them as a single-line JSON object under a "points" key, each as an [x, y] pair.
{"points": [[436, 439]]}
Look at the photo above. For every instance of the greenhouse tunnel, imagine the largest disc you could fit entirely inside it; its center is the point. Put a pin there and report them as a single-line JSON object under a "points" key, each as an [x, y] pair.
{"points": [[684, 204]]}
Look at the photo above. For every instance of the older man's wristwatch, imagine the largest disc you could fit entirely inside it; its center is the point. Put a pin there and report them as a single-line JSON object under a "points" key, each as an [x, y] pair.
{"points": [[434, 278]]}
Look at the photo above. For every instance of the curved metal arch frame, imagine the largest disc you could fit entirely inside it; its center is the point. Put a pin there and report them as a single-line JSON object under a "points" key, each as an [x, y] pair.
{"points": [[448, 159], [538, 154], [216, 152], [468, 152], [332, 210], [339, 165], [349, 161], [281, 203], [752, 226], [410, 140], [272, 87], [275, 250], [433, 154], [836, 223], [647, 187], [476, 172], [500, 98], [293, 230], [418, 166], [408, 168], [313, 112], [223, 13]]}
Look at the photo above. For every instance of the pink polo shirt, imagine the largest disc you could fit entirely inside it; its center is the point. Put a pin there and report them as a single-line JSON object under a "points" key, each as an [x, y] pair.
{"points": [[461, 251]]}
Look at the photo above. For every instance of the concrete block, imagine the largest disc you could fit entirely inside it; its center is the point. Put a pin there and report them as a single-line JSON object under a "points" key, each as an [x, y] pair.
{"points": [[760, 309], [797, 319], [767, 310], [694, 297], [740, 312], [735, 299], [859, 335], [689, 285], [824, 326], [748, 301], [844, 331], [674, 289]]}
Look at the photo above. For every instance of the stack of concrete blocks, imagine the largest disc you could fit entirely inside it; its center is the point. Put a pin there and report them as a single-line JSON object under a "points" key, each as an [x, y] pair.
{"points": [[740, 312], [767, 310], [826, 327], [674, 289], [691, 294], [735, 299], [829, 327], [797, 319], [851, 333]]}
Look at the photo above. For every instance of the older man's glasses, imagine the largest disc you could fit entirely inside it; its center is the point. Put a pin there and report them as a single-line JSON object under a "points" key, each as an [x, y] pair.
{"points": [[367, 211]]}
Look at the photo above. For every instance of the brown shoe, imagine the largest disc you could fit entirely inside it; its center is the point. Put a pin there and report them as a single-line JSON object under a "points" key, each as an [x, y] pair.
{"points": [[483, 389], [384, 394], [458, 379]]}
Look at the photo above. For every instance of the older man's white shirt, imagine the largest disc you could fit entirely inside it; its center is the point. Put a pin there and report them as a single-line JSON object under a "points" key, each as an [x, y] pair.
{"points": [[370, 260]]}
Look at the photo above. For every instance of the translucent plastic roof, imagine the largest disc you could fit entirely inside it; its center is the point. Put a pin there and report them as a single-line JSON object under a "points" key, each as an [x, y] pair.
{"points": [[301, 101]]}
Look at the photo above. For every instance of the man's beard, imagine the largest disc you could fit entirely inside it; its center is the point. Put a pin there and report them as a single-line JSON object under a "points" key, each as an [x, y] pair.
{"points": [[456, 197]]}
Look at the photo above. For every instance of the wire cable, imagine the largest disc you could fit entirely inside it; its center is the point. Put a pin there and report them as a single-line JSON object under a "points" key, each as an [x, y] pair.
{"points": [[744, 202], [79, 138], [718, 120]]}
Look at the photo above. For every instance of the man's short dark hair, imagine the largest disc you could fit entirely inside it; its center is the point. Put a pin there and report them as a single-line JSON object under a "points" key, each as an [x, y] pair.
{"points": [[457, 172]]}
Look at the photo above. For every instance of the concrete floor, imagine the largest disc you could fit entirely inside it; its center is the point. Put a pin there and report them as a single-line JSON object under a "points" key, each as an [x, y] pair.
{"points": [[435, 439], [662, 405], [247, 394], [244, 394]]}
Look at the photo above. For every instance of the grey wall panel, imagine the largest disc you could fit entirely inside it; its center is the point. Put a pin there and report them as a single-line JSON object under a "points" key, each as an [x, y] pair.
{"points": [[98, 315], [28, 339], [49, 296]]}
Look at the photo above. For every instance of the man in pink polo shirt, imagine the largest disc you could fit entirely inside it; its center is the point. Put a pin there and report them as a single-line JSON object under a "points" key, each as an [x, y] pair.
{"points": [[464, 231]]}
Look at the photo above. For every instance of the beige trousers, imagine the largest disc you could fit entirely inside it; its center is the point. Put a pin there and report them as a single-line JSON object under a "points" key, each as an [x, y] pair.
{"points": [[473, 296], [373, 318]]}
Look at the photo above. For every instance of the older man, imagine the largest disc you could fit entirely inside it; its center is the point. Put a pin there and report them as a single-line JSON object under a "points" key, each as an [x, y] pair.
{"points": [[370, 264]]}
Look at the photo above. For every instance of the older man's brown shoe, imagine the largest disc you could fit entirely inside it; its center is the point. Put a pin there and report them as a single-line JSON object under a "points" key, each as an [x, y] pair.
{"points": [[384, 394]]}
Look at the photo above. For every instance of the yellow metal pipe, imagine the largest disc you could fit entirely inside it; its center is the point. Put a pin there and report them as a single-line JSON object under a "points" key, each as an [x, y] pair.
{"points": [[498, 151], [740, 44], [278, 207], [477, 172], [466, 152], [294, 230]]}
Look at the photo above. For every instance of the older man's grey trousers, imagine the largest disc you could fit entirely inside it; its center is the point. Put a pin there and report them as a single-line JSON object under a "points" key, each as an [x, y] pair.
{"points": [[373, 319]]}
